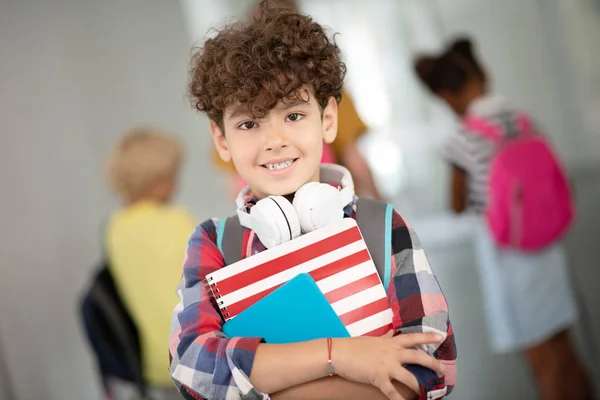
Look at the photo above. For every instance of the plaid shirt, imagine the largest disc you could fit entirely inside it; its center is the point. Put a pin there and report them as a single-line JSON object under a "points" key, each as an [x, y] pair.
{"points": [[207, 364]]}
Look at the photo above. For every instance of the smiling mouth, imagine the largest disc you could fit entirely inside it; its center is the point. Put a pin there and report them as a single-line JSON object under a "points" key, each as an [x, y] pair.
{"points": [[278, 166]]}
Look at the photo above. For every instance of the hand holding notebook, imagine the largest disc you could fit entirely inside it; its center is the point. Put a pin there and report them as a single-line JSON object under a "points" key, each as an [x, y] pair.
{"points": [[298, 311]]}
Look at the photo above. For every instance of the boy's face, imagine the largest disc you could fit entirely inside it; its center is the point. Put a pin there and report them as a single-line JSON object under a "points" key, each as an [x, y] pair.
{"points": [[279, 153]]}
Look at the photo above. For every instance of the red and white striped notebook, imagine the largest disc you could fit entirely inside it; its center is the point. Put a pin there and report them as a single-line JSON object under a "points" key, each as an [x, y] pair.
{"points": [[337, 258]]}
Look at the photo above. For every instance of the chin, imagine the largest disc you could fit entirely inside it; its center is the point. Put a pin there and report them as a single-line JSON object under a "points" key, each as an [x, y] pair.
{"points": [[283, 189], [286, 186]]}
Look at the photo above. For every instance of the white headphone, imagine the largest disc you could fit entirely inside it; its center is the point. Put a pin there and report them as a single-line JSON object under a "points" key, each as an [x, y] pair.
{"points": [[275, 220]]}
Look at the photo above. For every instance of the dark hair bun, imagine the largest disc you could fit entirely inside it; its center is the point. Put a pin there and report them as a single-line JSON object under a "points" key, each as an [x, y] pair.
{"points": [[450, 70], [463, 47]]}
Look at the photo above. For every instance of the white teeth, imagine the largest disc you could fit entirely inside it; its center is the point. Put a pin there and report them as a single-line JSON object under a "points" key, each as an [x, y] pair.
{"points": [[279, 165]]}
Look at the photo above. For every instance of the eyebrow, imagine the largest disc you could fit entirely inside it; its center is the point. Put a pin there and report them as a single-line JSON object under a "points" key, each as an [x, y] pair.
{"points": [[243, 112], [238, 112], [292, 104]]}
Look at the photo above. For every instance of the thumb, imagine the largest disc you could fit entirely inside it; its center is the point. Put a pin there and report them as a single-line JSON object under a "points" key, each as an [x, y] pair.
{"points": [[389, 334]]}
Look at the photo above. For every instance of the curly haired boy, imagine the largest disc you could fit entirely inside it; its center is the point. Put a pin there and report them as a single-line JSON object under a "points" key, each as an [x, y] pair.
{"points": [[270, 86]]}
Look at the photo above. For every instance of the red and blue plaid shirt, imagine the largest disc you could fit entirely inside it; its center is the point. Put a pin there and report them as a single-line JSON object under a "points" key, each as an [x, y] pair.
{"points": [[205, 363]]}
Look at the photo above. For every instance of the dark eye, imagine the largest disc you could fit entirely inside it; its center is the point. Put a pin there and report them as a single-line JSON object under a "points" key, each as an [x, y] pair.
{"points": [[295, 117], [247, 125]]}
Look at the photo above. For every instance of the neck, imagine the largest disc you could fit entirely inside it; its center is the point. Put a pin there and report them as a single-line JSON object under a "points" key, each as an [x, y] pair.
{"points": [[144, 200], [472, 93]]}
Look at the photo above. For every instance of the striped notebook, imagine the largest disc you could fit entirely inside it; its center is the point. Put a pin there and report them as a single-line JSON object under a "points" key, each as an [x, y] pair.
{"points": [[336, 257]]}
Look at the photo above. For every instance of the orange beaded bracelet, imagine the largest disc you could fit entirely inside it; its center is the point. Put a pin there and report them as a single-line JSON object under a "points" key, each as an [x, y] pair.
{"points": [[330, 368]]}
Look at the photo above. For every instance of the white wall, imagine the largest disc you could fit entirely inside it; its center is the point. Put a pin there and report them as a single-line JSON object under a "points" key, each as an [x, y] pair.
{"points": [[74, 76], [5, 382], [580, 22]]}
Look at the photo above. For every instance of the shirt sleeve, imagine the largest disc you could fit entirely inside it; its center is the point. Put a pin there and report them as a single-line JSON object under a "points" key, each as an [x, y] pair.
{"points": [[205, 363], [419, 305]]}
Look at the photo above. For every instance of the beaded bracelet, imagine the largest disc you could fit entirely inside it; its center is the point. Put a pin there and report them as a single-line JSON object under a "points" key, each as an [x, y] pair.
{"points": [[330, 368]]}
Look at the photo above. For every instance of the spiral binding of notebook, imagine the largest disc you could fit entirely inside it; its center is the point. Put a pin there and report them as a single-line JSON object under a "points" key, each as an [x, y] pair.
{"points": [[336, 257]]}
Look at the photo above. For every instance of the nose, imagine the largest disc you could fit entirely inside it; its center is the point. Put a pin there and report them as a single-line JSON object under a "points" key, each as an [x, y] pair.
{"points": [[275, 139]]}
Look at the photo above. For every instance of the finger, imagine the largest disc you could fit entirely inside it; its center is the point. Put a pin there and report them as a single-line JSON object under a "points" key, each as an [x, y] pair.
{"points": [[415, 339], [387, 388], [389, 333], [403, 376], [421, 358]]}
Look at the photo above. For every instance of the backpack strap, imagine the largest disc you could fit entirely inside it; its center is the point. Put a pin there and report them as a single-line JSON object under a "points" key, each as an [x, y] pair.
{"points": [[483, 128], [507, 125], [374, 219], [230, 237], [101, 297]]}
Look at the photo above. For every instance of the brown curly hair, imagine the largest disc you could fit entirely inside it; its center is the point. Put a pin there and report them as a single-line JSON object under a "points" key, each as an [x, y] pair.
{"points": [[256, 62]]}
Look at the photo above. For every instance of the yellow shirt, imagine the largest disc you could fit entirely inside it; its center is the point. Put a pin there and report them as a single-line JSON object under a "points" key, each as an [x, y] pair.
{"points": [[350, 127], [146, 244]]}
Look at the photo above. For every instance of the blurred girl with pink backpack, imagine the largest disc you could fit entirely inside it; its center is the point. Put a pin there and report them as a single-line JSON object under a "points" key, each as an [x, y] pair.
{"points": [[505, 173]]}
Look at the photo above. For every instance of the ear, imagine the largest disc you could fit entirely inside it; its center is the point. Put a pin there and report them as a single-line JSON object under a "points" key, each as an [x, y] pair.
{"points": [[220, 141], [330, 120]]}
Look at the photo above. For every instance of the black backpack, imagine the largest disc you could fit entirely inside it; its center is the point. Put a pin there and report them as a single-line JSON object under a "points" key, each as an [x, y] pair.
{"points": [[111, 332]]}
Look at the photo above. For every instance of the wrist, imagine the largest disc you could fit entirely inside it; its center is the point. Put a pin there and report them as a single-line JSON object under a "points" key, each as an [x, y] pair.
{"points": [[280, 366], [339, 350], [330, 366]]}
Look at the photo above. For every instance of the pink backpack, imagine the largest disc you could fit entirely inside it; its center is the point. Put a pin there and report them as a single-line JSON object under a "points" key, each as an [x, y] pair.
{"points": [[530, 205]]}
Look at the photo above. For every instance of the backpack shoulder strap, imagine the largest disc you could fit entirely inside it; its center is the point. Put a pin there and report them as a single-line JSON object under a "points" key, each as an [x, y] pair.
{"points": [[504, 126], [374, 219], [483, 127], [102, 296], [230, 236]]}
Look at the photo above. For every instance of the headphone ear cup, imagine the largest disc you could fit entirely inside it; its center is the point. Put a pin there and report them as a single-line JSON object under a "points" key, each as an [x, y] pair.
{"points": [[317, 204], [274, 221]]}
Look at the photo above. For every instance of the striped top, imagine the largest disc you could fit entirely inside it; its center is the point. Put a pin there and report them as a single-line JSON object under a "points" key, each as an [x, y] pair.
{"points": [[473, 154], [206, 364]]}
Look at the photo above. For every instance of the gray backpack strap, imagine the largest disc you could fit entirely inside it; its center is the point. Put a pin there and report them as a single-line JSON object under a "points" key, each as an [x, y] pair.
{"points": [[374, 219], [230, 236]]}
